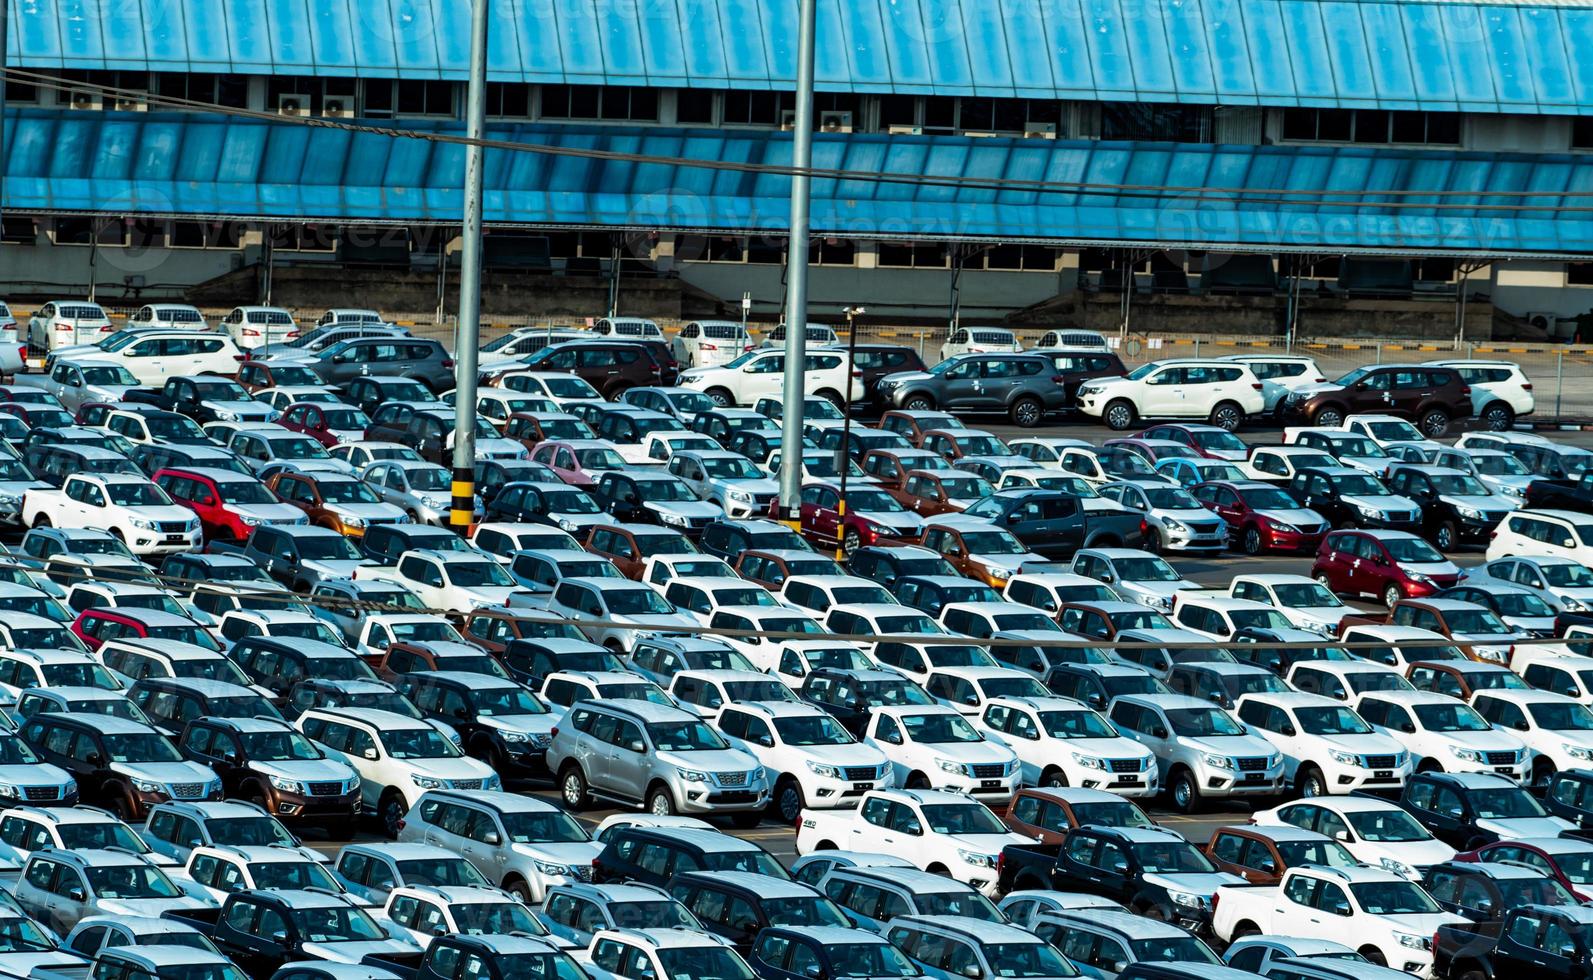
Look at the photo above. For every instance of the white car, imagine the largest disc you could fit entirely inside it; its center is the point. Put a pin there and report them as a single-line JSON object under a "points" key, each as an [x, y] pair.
{"points": [[1378, 832], [130, 507], [933, 746], [1134, 575], [817, 593], [1544, 534], [398, 758], [816, 335], [1327, 748], [8, 324], [1219, 616], [171, 316], [1394, 653], [451, 580], [217, 870], [1558, 729], [1060, 742], [936, 831], [1278, 464], [1306, 603], [1499, 471], [1564, 583], [257, 326], [1221, 392], [701, 597], [703, 343], [707, 692], [61, 323], [1385, 430], [1279, 374], [980, 340], [1500, 391], [152, 356], [761, 619], [523, 844], [1046, 452], [761, 373], [1049, 590], [620, 611], [812, 760], [969, 689], [1445, 734], [421, 913]]}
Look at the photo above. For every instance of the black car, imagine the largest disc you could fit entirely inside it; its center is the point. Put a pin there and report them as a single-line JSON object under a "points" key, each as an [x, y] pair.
{"points": [[384, 543], [1481, 891], [1141, 867], [98, 751], [932, 593], [1468, 810], [152, 458], [320, 692], [1223, 684], [794, 953], [1051, 523], [493, 474], [876, 362], [860, 441], [496, 719], [1456, 508], [1351, 498], [531, 661], [244, 753], [1254, 645], [654, 498], [172, 702], [536, 503], [727, 539], [1097, 684], [888, 566], [1570, 797], [278, 664], [851, 695], [652, 855], [370, 392], [736, 905]]}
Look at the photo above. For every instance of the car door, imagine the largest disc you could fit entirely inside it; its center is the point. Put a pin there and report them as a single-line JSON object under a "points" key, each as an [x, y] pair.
{"points": [[960, 385]]}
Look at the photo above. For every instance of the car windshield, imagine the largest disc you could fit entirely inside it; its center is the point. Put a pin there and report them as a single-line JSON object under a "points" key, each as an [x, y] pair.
{"points": [[870, 959], [500, 918], [1343, 445], [731, 468], [293, 874], [1412, 550], [306, 631], [174, 427], [427, 478], [1268, 619], [425, 631], [862, 594], [1169, 498], [1328, 853], [1535, 890], [284, 746], [1202, 722], [1017, 961], [1171, 857], [472, 574], [1393, 898], [636, 602], [243, 706], [490, 701], [194, 635], [117, 707], [641, 691], [108, 374], [893, 693], [449, 872], [663, 543], [137, 495], [346, 492], [1125, 464], [769, 690], [15, 752], [216, 668], [939, 729], [807, 730], [1459, 484], [703, 963], [349, 418], [664, 491], [1449, 718], [1330, 721], [684, 736], [79, 675], [245, 492], [662, 913], [966, 487], [872, 500], [339, 668], [599, 458], [809, 910], [1150, 569], [543, 827], [248, 832], [914, 624], [755, 860], [962, 818], [1476, 622], [1026, 621], [841, 658], [1391, 826], [992, 543], [296, 448], [1504, 804], [49, 638], [337, 923], [1076, 724], [1172, 949], [1117, 813], [1013, 687], [100, 835], [130, 881], [329, 548], [418, 743], [1502, 464], [139, 747], [1304, 595], [1522, 604]]}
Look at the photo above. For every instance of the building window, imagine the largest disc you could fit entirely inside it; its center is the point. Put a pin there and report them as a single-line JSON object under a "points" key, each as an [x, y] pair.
{"points": [[616, 102], [1582, 133], [419, 97], [912, 255], [766, 251], [145, 233], [20, 92], [1152, 121], [302, 238], [743, 108], [833, 251], [940, 115], [1432, 270], [508, 100], [1019, 258], [1579, 273], [694, 107], [16, 230], [1371, 126], [898, 111], [378, 99]]}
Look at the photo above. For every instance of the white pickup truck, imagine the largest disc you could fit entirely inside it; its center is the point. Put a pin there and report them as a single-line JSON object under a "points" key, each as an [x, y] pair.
{"points": [[943, 833], [1388, 919], [452, 580], [130, 507]]}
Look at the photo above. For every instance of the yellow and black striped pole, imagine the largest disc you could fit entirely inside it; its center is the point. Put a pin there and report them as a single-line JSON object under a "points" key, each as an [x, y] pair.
{"points": [[467, 338]]}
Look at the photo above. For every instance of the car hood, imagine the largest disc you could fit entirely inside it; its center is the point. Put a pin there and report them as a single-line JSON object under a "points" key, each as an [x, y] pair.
{"points": [[711, 760], [307, 770], [1196, 883], [1521, 828], [1484, 502], [851, 754], [1297, 516], [1007, 565], [35, 774], [461, 768], [1393, 502], [658, 619], [489, 595], [1415, 854], [970, 752], [684, 508], [1232, 455], [151, 907], [580, 522], [109, 393], [365, 511], [1536, 625], [1439, 569], [334, 567], [162, 512], [903, 520], [1374, 465], [577, 853], [991, 844], [902, 377], [1369, 744], [751, 484], [274, 513], [1425, 924], [243, 409], [1487, 741], [356, 952], [1232, 745], [1315, 388], [538, 724], [165, 772], [1106, 748], [1164, 590], [1198, 515]]}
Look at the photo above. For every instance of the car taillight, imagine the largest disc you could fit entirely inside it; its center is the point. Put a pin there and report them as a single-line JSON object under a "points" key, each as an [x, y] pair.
{"points": [[1527, 386], [401, 824], [1058, 379], [239, 357], [448, 363], [554, 733], [709, 347], [1256, 386], [250, 332], [1465, 392], [63, 326], [106, 328]]}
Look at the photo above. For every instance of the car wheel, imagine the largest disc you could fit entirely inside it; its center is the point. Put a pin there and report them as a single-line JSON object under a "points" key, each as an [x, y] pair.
{"points": [[43, 520], [1252, 540], [1434, 423], [1312, 783], [1228, 416], [572, 787], [1392, 593], [833, 397], [519, 889], [721, 397], [851, 542], [1328, 418], [1153, 541], [788, 801], [1119, 415], [1374, 956], [660, 803], [1444, 537], [1542, 772], [1498, 417], [1323, 580], [393, 811], [1027, 412], [1185, 794], [1053, 779], [919, 403]]}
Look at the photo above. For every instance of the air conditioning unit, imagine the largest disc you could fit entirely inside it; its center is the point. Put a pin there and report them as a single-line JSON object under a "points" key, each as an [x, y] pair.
{"points": [[293, 105], [905, 130], [835, 122], [1040, 131], [340, 108], [1543, 321], [82, 98], [125, 104]]}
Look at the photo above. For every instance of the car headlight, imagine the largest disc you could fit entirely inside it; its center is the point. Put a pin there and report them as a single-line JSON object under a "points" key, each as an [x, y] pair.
{"points": [[147, 786], [1345, 758], [1400, 758], [1285, 527], [1469, 513], [1414, 941], [741, 496], [976, 859], [514, 736], [1274, 760], [492, 782], [674, 519], [454, 738], [951, 766], [1217, 761], [824, 771], [693, 775], [1187, 899], [352, 521], [1468, 755], [1159, 602], [558, 870], [1419, 577], [287, 785], [426, 782], [140, 522], [1089, 761], [251, 521], [1366, 511], [6, 789], [1578, 751], [223, 415], [1173, 525], [1011, 768], [1398, 867]]}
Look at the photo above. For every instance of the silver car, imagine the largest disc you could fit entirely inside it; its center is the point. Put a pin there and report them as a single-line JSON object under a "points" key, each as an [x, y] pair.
{"points": [[1174, 520], [424, 490], [664, 758]]}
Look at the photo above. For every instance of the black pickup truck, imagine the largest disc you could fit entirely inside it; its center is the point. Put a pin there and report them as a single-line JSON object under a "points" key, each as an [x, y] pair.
{"points": [[1484, 891], [204, 398], [297, 556], [1468, 810], [1574, 494], [1534, 942], [261, 930]]}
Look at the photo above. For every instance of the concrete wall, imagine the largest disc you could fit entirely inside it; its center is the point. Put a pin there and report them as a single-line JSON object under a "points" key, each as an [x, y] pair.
{"points": [[1528, 288], [47, 270], [1266, 316]]}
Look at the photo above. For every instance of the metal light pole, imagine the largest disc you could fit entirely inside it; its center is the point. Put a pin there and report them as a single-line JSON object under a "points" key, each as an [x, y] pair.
{"points": [[796, 291], [5, 32], [843, 456], [467, 335]]}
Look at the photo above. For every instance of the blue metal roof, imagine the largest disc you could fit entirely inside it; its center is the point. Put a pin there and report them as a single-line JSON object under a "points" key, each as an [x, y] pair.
{"points": [[1173, 193], [1405, 54]]}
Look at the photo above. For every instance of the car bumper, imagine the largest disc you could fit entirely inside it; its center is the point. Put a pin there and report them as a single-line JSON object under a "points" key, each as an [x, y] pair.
{"points": [[984, 790], [1378, 524], [1295, 541], [311, 808], [1131, 785], [142, 801], [141, 542], [823, 792], [703, 798], [1186, 540], [525, 758], [1519, 773], [1341, 779], [65, 796], [1226, 782]]}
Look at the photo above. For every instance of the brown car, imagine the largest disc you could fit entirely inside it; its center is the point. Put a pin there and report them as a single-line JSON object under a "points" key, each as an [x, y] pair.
{"points": [[345, 504], [1461, 678], [1261, 855], [1439, 616], [629, 545], [928, 493], [954, 444], [1049, 813], [889, 467], [770, 568], [610, 366], [531, 428], [912, 425], [1431, 397], [949, 544], [260, 375], [406, 657]]}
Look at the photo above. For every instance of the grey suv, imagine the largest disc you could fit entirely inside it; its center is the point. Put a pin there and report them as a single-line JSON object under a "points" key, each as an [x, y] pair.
{"points": [[1024, 386], [665, 758], [423, 360]]}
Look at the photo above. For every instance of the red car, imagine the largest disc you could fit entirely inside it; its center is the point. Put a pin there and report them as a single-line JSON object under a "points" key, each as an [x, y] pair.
{"points": [[95, 626], [1391, 565], [328, 423], [230, 505], [578, 462], [1262, 517], [1568, 860], [1208, 441], [873, 516]]}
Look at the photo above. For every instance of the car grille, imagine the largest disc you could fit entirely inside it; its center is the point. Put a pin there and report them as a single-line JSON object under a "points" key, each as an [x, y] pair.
{"points": [[187, 791], [731, 778], [1203, 528], [993, 771], [1125, 765], [326, 789], [173, 527], [43, 792], [1378, 761], [860, 773], [699, 521], [762, 500], [1501, 758], [1404, 515], [465, 784], [1312, 528], [1252, 765]]}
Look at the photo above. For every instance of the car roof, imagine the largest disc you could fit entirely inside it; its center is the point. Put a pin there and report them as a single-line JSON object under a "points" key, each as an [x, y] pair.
{"points": [[1130, 925]]}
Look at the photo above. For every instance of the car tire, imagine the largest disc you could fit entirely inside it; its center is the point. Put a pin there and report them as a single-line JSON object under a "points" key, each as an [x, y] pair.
{"points": [[919, 403], [1311, 782], [721, 397], [1227, 415], [1027, 413], [1183, 792], [788, 801], [42, 520], [851, 542], [1054, 778], [1392, 593], [1542, 772], [833, 397], [1324, 581], [1374, 956], [573, 789], [1330, 417], [517, 887], [1153, 541], [1434, 423], [1119, 415], [659, 802], [916, 780], [1447, 537], [1498, 417], [391, 812], [1252, 540]]}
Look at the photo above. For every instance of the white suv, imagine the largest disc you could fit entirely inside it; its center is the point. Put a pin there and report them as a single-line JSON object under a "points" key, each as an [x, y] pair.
{"points": [[980, 340], [62, 323], [1544, 534], [1557, 729], [704, 343], [761, 374], [812, 760], [258, 326], [1060, 742], [1377, 832], [932, 746], [1444, 734], [1279, 373], [1500, 391], [1221, 392], [1327, 748]]}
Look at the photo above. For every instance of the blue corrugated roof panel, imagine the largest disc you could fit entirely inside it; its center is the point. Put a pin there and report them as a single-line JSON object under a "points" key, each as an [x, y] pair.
{"points": [[1221, 196], [1391, 54]]}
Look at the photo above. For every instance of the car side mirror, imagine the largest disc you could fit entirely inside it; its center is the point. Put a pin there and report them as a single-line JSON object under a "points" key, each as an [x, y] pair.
{"points": [[1288, 730], [637, 745], [280, 937], [1408, 728], [767, 741], [972, 971], [812, 971], [369, 754], [77, 894], [95, 760], [914, 829], [1342, 836], [493, 839], [894, 738], [1520, 726], [1158, 732]]}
